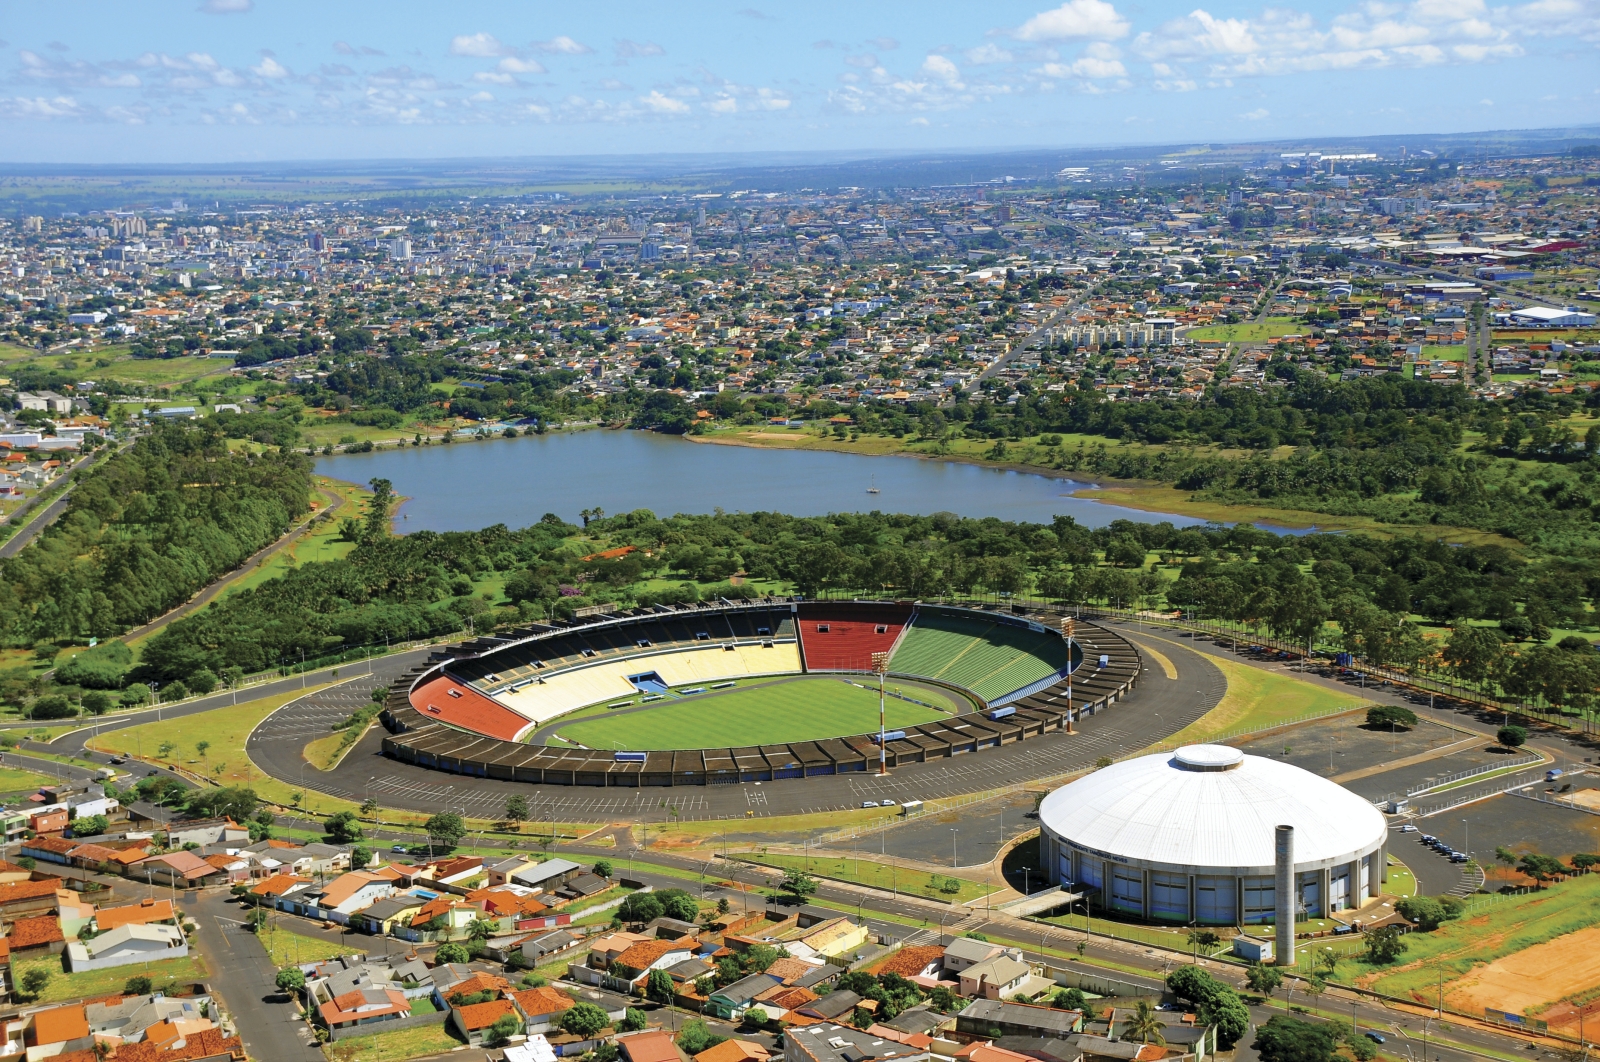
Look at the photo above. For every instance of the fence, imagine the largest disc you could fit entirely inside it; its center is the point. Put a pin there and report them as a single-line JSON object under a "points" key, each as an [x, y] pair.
{"points": [[410, 1021], [1461, 776]]}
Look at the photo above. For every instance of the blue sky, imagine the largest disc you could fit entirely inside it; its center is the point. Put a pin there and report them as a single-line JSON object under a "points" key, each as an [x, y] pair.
{"points": [[225, 80]]}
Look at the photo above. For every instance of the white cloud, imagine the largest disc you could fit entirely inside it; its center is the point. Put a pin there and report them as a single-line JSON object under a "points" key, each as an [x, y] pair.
{"points": [[478, 45], [943, 69], [884, 44], [865, 61], [561, 46], [1256, 115], [1379, 33], [987, 53], [513, 65], [1075, 19], [270, 68], [723, 105], [627, 49], [494, 78], [661, 104], [227, 7], [41, 107]]}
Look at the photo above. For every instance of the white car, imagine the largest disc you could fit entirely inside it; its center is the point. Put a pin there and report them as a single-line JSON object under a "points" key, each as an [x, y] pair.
{"points": [[869, 803], [889, 804], [1408, 828]]}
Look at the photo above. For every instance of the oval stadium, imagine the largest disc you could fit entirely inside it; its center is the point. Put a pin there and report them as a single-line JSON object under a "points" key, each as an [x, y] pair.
{"points": [[1189, 836], [745, 692]]}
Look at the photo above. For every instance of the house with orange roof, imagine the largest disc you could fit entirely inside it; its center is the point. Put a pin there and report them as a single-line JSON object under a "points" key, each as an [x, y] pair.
{"points": [[475, 1020], [638, 960], [43, 1033], [270, 890], [35, 935], [734, 1050], [652, 1045], [541, 1008], [143, 913], [364, 1006], [341, 897]]}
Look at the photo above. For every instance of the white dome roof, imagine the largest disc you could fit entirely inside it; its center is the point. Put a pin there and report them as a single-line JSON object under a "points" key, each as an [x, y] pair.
{"points": [[1212, 807]]}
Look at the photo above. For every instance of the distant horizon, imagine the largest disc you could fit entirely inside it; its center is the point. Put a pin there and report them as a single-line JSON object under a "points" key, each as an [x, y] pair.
{"points": [[1581, 134]]}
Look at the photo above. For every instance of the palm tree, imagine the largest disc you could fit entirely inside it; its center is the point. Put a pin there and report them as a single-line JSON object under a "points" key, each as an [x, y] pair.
{"points": [[482, 928], [1145, 1025]]}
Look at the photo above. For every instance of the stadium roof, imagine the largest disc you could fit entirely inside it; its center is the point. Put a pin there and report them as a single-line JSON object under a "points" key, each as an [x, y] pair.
{"points": [[1212, 807]]}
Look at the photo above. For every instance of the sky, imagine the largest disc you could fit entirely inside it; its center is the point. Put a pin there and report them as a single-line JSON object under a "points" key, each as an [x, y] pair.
{"points": [[170, 81]]}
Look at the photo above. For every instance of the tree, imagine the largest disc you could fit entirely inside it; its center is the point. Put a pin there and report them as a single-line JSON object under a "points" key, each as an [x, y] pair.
{"points": [[633, 1019], [1263, 978], [602, 868], [1203, 938], [1542, 868], [1145, 1024], [639, 907], [200, 748], [96, 703], [342, 827], [583, 1020], [378, 507], [34, 980], [944, 1001], [369, 806], [89, 825], [1067, 999], [695, 1037], [504, 1028], [1512, 736], [290, 980], [1384, 716], [798, 884], [675, 903], [137, 986], [1384, 945], [1217, 1003], [360, 856], [517, 809], [257, 920], [658, 987], [482, 928], [451, 952], [1285, 1039], [445, 829], [1424, 912]]}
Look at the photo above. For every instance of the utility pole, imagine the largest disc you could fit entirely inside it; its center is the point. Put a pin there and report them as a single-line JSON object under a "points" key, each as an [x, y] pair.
{"points": [[1068, 629], [880, 664]]}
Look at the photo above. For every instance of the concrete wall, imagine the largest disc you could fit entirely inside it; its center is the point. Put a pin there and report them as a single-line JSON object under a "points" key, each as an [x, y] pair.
{"points": [[411, 1021], [127, 958]]}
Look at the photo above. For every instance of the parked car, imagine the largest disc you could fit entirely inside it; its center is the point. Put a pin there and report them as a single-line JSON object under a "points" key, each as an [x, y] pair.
{"points": [[1458, 857], [1408, 828], [399, 848], [869, 803], [1374, 1037]]}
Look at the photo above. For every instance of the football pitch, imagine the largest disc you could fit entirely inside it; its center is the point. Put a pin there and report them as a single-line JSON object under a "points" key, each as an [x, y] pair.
{"points": [[806, 708]]}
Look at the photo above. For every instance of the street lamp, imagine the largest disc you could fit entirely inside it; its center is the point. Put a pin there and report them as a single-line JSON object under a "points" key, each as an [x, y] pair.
{"points": [[953, 832], [880, 664], [1068, 629]]}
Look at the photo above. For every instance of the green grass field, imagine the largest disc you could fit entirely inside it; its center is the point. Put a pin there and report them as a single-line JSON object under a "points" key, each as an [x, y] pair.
{"points": [[1258, 698], [1250, 331], [13, 780], [879, 875], [802, 709], [165, 974]]}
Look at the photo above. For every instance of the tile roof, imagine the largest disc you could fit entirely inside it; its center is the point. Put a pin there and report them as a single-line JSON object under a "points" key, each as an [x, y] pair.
{"points": [[133, 914], [477, 1016], [537, 1002], [59, 1024], [641, 956], [35, 932], [478, 982], [17, 891], [653, 1046], [909, 961], [278, 884], [345, 886], [734, 1051]]}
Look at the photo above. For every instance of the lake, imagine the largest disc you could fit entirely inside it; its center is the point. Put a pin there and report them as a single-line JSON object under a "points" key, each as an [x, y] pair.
{"points": [[468, 485]]}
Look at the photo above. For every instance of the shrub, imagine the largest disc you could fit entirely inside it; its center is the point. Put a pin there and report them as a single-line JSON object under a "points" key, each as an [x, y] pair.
{"points": [[101, 668], [1383, 716], [137, 986], [96, 703], [136, 693], [1511, 736], [1285, 1039], [1425, 912], [54, 706], [202, 681]]}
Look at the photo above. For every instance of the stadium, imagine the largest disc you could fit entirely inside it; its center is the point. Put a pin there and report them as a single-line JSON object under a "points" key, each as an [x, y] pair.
{"points": [[1190, 836], [732, 692]]}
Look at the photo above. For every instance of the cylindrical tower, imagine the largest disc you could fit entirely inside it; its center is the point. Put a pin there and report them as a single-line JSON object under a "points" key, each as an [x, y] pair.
{"points": [[1284, 894]]}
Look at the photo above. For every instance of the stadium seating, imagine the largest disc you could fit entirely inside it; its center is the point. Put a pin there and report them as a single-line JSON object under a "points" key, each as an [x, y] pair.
{"points": [[563, 691], [447, 701], [990, 657], [843, 636]]}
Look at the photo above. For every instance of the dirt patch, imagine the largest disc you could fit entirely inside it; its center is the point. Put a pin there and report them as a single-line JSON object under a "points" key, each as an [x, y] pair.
{"points": [[1534, 977], [1589, 798]]}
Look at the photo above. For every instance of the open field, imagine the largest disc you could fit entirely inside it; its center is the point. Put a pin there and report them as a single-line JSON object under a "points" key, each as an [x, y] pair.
{"points": [[13, 780], [1258, 698], [1545, 980], [416, 1042], [799, 709], [878, 875], [164, 974], [1494, 928], [1251, 331], [285, 946]]}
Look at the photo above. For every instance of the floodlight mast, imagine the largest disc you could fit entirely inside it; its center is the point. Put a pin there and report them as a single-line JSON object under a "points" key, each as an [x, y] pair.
{"points": [[1068, 629], [880, 664]]}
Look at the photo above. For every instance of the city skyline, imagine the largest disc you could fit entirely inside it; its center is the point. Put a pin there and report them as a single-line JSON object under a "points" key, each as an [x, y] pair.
{"points": [[235, 80]]}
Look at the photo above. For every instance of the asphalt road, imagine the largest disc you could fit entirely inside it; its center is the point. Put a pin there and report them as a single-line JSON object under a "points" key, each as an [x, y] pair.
{"points": [[52, 512]]}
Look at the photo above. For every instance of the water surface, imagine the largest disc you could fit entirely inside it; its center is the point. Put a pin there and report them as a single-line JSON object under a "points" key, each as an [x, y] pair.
{"points": [[469, 485]]}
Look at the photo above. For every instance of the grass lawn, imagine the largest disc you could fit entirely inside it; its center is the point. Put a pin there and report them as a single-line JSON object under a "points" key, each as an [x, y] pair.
{"points": [[160, 372], [1444, 353], [783, 710], [286, 946], [92, 983], [1250, 331], [1492, 928], [415, 1042], [1258, 698], [879, 875], [13, 780]]}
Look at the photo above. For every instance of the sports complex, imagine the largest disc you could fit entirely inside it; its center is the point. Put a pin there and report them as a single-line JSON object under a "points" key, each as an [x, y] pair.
{"points": [[745, 692]]}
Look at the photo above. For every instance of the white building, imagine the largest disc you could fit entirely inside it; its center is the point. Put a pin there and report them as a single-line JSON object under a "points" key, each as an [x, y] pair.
{"points": [[126, 945], [1189, 837]]}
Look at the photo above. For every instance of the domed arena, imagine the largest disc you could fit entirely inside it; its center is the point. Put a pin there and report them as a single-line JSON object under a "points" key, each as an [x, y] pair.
{"points": [[1189, 836]]}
